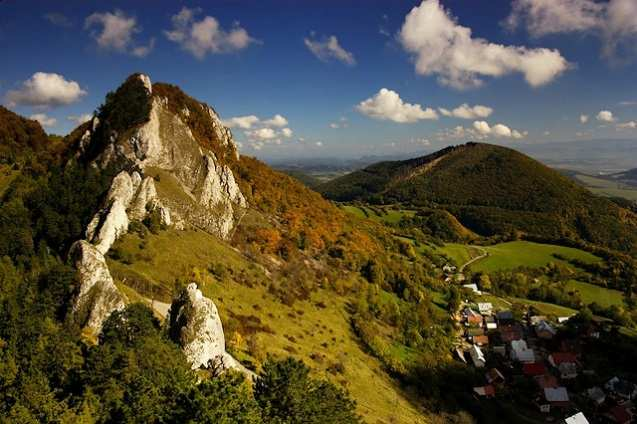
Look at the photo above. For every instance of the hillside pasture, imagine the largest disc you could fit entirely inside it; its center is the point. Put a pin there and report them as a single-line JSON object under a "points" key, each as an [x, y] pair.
{"points": [[592, 293], [515, 254]]}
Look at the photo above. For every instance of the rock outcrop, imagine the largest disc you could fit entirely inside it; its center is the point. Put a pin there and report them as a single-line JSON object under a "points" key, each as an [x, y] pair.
{"points": [[195, 325], [98, 296], [163, 168]]}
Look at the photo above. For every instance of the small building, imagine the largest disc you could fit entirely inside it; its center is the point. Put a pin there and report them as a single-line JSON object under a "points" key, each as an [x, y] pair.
{"points": [[485, 391], [473, 288], [557, 396], [504, 317], [490, 323], [494, 376], [500, 350], [510, 332], [546, 381], [480, 340], [597, 395], [448, 269], [568, 370], [477, 356], [485, 308], [544, 330], [474, 331], [557, 358], [472, 317], [620, 414], [533, 369], [521, 353], [622, 388], [578, 418]]}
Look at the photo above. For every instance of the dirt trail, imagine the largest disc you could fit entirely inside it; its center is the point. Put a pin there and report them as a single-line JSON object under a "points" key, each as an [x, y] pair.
{"points": [[484, 254]]}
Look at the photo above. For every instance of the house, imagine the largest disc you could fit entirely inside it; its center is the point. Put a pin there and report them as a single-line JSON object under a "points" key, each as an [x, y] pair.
{"points": [[485, 308], [472, 287], [460, 354], [544, 330], [535, 319], [474, 331], [557, 358], [533, 369], [480, 340], [578, 418], [500, 350], [477, 356], [490, 323], [557, 396], [622, 388], [448, 269], [562, 320], [520, 352], [546, 381], [597, 395], [485, 391], [620, 414], [494, 376], [510, 332], [568, 370], [504, 317], [473, 318]]}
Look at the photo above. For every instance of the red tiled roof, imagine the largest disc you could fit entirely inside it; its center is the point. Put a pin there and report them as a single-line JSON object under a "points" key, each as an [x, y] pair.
{"points": [[546, 380], [620, 414], [562, 357], [534, 369]]}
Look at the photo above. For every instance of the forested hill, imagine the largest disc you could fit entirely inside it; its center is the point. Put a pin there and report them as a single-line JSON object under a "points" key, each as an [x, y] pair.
{"points": [[493, 190]]}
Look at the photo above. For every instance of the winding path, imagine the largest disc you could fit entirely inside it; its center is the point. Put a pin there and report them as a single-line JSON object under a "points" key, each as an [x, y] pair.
{"points": [[484, 254]]}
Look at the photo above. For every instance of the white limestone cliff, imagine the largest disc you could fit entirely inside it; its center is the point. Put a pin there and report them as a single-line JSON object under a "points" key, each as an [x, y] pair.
{"points": [[98, 296], [194, 324]]}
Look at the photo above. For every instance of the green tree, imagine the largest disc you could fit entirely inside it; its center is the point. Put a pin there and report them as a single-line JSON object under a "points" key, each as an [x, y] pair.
{"points": [[287, 395]]}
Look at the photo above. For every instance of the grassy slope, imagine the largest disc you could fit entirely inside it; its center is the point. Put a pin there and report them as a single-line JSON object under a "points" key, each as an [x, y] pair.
{"points": [[591, 293], [300, 330], [523, 253]]}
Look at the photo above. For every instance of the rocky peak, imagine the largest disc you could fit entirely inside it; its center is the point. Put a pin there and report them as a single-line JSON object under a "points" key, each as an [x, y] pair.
{"points": [[173, 156]]}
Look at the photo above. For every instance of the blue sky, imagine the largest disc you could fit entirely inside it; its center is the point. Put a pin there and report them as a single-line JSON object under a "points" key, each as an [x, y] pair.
{"points": [[323, 65]]}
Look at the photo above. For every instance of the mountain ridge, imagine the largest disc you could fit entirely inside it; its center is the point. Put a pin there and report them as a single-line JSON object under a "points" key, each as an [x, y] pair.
{"points": [[492, 190]]}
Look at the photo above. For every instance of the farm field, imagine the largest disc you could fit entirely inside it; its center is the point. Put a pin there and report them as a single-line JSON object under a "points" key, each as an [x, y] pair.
{"points": [[515, 254], [607, 188], [591, 293]]}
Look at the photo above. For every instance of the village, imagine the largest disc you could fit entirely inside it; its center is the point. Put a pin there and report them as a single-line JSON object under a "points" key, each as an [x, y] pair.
{"points": [[538, 362]]}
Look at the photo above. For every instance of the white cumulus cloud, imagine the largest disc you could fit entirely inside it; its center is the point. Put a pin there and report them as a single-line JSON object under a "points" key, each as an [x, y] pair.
{"points": [[329, 49], [276, 121], [46, 89], [627, 125], [206, 35], [114, 31], [387, 105], [443, 47], [583, 119], [465, 111], [44, 119], [605, 116], [614, 21], [244, 122], [286, 132], [482, 129]]}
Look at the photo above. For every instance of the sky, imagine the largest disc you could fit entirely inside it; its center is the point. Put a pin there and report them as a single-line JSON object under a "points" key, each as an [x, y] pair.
{"points": [[339, 78]]}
